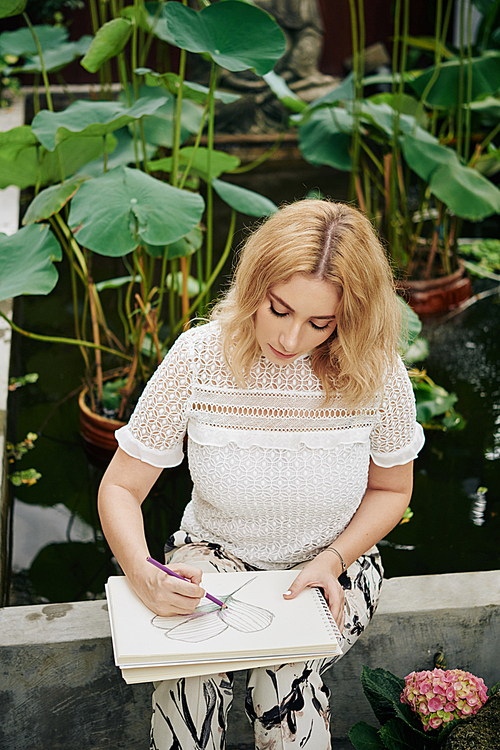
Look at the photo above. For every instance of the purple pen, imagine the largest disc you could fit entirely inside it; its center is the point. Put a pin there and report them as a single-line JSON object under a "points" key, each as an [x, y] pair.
{"points": [[176, 575]]}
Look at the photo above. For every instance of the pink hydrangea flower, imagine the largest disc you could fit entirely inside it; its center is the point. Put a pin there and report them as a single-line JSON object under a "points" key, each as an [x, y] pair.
{"points": [[439, 696]]}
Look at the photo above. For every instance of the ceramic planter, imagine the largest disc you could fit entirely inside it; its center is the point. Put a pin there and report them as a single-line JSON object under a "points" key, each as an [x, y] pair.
{"points": [[436, 297]]}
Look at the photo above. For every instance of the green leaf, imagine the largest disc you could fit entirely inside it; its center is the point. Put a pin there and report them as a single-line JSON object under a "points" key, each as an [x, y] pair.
{"points": [[489, 106], [11, 7], [432, 400], [190, 90], [383, 690], [445, 91], [116, 283], [126, 207], [89, 119], [465, 191], [23, 162], [21, 42], [26, 260], [326, 138], [123, 154], [365, 737], [410, 325], [174, 282], [243, 200], [50, 201], [220, 162], [181, 248], [109, 41], [55, 59], [396, 735], [287, 97], [236, 35], [417, 352], [158, 128]]}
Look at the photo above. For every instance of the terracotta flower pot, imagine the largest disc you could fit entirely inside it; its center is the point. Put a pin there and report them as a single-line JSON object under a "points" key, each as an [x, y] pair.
{"points": [[98, 433], [436, 297]]}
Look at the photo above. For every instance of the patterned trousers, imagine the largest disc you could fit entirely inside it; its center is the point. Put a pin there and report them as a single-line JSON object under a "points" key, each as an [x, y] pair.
{"points": [[288, 705]]}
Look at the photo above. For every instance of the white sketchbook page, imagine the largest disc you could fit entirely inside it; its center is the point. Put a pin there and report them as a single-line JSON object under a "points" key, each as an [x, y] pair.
{"points": [[151, 673], [299, 625]]}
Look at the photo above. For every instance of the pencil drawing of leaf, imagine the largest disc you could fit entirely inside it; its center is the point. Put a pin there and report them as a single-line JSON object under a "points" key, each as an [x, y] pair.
{"points": [[247, 618], [210, 620], [168, 623], [197, 628]]}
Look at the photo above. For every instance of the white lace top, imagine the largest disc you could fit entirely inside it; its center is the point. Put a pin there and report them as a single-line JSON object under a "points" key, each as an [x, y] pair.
{"points": [[277, 476]]}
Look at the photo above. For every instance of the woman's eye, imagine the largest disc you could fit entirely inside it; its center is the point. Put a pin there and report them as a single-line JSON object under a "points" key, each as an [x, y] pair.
{"points": [[278, 314], [319, 328]]}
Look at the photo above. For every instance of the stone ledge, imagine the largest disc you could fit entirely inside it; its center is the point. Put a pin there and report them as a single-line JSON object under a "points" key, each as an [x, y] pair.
{"points": [[60, 688]]}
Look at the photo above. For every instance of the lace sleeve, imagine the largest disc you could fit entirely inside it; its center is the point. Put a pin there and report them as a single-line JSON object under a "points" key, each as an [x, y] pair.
{"points": [[398, 437], [157, 427]]}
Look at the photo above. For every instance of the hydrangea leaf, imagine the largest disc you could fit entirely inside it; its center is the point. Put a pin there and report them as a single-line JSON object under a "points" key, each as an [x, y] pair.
{"points": [[217, 30], [126, 207], [26, 260], [365, 737]]}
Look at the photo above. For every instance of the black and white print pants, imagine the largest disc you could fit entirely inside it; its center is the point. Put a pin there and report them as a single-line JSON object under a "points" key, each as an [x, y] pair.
{"points": [[288, 705]]}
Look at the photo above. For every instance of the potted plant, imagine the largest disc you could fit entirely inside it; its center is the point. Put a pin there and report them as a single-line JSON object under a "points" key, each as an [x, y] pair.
{"points": [[420, 711], [415, 152], [129, 188]]}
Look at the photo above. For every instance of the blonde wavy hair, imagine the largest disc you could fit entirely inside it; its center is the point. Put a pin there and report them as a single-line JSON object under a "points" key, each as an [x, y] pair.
{"points": [[337, 243]]}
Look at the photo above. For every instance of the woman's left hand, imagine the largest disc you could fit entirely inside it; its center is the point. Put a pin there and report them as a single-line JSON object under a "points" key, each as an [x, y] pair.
{"points": [[321, 573]]}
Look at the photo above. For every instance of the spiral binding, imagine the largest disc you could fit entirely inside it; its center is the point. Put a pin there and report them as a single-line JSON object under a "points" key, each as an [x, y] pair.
{"points": [[327, 616]]}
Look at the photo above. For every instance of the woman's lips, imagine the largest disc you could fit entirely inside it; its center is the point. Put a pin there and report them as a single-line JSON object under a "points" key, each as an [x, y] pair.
{"points": [[280, 354]]}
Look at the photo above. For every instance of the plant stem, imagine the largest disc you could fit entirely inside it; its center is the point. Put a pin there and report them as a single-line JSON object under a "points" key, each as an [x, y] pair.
{"points": [[42, 63], [215, 272], [62, 340]]}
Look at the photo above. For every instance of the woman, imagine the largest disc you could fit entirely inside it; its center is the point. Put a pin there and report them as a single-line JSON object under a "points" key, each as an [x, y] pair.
{"points": [[301, 436]]}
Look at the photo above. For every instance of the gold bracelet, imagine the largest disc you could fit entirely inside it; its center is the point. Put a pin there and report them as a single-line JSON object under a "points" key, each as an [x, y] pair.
{"points": [[332, 549]]}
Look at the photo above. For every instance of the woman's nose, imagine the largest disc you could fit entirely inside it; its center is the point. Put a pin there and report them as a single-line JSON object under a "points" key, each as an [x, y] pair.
{"points": [[289, 338]]}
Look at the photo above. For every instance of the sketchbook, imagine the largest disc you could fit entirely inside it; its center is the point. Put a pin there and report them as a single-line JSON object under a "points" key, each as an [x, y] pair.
{"points": [[257, 628]]}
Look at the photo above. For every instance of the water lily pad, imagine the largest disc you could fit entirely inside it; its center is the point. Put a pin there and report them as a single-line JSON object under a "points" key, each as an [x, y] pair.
{"points": [[125, 207], [26, 259], [217, 30], [326, 138]]}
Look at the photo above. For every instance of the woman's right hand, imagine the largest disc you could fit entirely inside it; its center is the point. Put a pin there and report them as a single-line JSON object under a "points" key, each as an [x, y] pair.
{"points": [[167, 595]]}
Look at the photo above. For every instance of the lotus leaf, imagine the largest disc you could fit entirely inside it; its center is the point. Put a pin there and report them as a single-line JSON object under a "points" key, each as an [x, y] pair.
{"points": [[125, 207], [217, 30], [243, 200], [90, 119], [26, 259]]}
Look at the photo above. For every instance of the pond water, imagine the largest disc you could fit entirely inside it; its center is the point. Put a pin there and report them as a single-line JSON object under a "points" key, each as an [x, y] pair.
{"points": [[57, 549]]}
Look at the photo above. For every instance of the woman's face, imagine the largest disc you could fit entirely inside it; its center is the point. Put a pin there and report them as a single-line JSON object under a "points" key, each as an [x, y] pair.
{"points": [[296, 317]]}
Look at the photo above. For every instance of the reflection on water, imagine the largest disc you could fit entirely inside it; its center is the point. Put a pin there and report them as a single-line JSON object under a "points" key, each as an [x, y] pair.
{"points": [[37, 526]]}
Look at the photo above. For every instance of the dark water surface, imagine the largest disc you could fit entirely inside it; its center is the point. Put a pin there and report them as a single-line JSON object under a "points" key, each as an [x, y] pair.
{"points": [[58, 553]]}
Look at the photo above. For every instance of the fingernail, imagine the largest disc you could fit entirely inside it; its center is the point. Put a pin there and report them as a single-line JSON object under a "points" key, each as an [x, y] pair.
{"points": [[287, 592]]}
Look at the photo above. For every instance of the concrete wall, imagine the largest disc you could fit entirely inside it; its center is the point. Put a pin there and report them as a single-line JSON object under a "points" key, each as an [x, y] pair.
{"points": [[59, 688]]}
